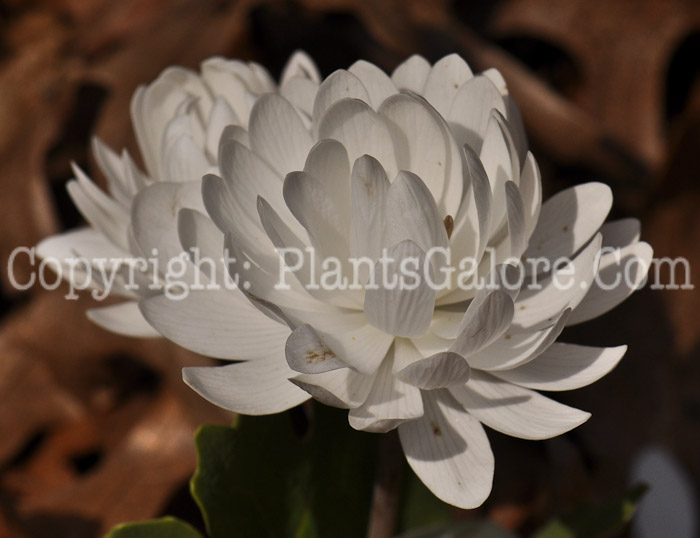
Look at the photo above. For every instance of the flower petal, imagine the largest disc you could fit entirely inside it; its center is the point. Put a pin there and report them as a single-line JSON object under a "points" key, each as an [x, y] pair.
{"points": [[411, 74], [343, 388], [565, 367], [361, 130], [123, 318], [627, 267], [515, 213], [101, 211], [258, 387], [620, 233], [483, 322], [515, 410], [370, 188], [514, 350], [376, 81], [424, 145], [300, 65], [471, 109], [411, 213], [307, 353], [437, 371], [531, 192], [539, 305], [449, 451], [222, 115], [220, 324], [154, 215], [278, 134], [568, 220], [390, 402], [389, 305], [444, 81], [339, 85]]}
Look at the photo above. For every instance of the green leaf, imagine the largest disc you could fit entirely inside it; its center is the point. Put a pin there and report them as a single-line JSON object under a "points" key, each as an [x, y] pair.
{"points": [[589, 521], [259, 478], [167, 527]]}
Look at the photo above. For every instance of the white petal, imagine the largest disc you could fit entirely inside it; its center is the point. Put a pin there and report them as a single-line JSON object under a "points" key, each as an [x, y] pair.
{"points": [[338, 85], [184, 160], [226, 210], [484, 321], [112, 166], [220, 324], [620, 233], [513, 350], [370, 188], [438, 371], [344, 388], [221, 116], [328, 162], [515, 410], [347, 333], [496, 156], [390, 402], [154, 106], [628, 268], [101, 211], [411, 74], [222, 78], [204, 242], [154, 216], [318, 212], [307, 353], [251, 388], [412, 213], [444, 81], [376, 81], [424, 146], [123, 318], [537, 307], [531, 191], [361, 130], [471, 109], [565, 367], [471, 228], [389, 304], [278, 134], [88, 242], [449, 451], [300, 64], [291, 247], [301, 92], [515, 213], [247, 177], [568, 220], [233, 133]]}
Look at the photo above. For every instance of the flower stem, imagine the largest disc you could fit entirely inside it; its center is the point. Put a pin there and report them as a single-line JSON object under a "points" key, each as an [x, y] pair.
{"points": [[387, 486]]}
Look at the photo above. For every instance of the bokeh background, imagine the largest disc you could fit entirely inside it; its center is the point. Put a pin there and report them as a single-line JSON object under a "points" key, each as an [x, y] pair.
{"points": [[96, 429]]}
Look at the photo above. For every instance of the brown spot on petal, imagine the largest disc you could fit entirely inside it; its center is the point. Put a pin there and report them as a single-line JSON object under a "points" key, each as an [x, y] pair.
{"points": [[437, 432], [449, 223], [565, 229], [508, 337], [317, 356]]}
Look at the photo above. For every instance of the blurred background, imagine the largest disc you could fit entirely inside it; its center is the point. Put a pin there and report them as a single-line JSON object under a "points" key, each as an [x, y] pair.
{"points": [[96, 429]]}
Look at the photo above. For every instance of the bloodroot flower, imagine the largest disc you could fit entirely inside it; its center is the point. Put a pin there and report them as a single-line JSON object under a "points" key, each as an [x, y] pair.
{"points": [[132, 234], [390, 248]]}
